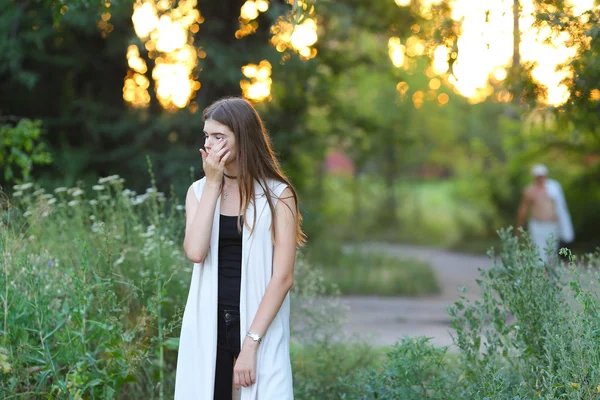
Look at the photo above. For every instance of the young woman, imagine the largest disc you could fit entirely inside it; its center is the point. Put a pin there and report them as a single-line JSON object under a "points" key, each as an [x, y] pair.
{"points": [[242, 230]]}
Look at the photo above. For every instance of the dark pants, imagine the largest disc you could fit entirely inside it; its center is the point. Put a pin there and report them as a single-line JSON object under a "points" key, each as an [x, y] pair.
{"points": [[228, 348]]}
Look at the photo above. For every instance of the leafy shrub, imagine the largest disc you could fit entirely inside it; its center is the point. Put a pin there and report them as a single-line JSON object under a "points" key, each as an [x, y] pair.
{"points": [[537, 321], [324, 370], [21, 148], [414, 369]]}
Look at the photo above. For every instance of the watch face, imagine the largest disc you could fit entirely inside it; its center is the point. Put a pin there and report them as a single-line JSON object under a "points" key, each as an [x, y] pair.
{"points": [[255, 337]]}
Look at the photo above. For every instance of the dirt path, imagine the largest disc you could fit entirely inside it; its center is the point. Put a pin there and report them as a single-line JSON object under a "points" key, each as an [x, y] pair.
{"points": [[384, 320]]}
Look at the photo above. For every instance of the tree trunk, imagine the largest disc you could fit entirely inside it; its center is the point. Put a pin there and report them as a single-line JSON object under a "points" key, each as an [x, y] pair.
{"points": [[389, 212], [516, 63], [357, 206]]}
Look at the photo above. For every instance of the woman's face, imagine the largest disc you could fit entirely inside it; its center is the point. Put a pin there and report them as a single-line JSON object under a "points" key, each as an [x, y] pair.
{"points": [[215, 132]]}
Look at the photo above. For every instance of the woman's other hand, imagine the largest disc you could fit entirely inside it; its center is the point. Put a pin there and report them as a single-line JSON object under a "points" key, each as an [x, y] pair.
{"points": [[244, 371]]}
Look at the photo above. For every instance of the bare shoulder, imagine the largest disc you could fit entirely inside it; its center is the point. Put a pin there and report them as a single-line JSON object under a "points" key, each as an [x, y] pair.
{"points": [[528, 192]]}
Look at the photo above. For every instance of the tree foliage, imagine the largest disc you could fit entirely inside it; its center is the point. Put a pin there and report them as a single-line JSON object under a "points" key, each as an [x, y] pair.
{"points": [[56, 66]]}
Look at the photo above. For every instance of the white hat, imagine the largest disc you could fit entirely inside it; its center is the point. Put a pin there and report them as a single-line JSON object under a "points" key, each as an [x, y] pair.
{"points": [[539, 170]]}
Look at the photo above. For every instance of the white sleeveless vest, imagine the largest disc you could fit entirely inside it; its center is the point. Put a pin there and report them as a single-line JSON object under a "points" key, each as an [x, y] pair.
{"points": [[196, 360]]}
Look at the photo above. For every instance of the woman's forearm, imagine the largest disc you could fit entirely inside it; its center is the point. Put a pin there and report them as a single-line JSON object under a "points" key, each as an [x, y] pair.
{"points": [[197, 234], [271, 303]]}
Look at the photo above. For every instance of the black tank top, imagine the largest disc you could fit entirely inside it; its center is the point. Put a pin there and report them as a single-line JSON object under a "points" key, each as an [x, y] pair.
{"points": [[230, 261]]}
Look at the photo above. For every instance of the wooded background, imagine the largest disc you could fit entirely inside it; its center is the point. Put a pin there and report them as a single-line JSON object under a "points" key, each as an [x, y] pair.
{"points": [[430, 165]]}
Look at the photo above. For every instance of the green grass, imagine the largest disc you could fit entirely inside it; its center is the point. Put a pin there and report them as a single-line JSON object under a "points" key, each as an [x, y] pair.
{"points": [[369, 273]]}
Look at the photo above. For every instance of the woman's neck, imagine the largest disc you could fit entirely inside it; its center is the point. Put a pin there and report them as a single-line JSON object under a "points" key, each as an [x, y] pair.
{"points": [[231, 170]]}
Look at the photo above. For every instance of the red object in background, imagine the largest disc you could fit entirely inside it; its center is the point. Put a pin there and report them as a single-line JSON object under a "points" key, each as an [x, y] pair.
{"points": [[591, 159], [338, 163]]}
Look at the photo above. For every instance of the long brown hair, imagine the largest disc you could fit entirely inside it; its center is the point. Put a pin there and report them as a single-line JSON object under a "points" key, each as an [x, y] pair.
{"points": [[255, 157]]}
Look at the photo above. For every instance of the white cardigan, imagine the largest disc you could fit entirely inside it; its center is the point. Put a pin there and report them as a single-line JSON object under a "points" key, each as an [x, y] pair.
{"points": [[196, 360]]}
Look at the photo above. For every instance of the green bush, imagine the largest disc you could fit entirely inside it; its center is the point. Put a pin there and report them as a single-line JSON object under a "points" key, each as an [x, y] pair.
{"points": [[538, 321], [325, 369], [414, 370], [20, 148]]}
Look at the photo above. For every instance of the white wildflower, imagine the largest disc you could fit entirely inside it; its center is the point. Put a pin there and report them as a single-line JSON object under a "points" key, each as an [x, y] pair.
{"points": [[120, 260], [139, 199], [149, 231], [108, 179], [104, 197], [38, 192], [179, 207], [98, 187], [26, 186], [17, 187], [60, 189], [93, 202], [93, 217], [97, 226], [18, 194], [128, 193], [47, 196], [77, 192], [72, 203], [52, 201], [45, 214], [27, 213], [151, 190]]}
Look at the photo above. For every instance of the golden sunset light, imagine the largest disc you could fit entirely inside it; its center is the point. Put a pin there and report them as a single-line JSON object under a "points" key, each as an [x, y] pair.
{"points": [[300, 37], [167, 35], [258, 88], [248, 13], [486, 47]]}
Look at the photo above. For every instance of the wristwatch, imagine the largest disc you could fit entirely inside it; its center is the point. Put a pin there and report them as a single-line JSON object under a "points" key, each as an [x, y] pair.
{"points": [[254, 336]]}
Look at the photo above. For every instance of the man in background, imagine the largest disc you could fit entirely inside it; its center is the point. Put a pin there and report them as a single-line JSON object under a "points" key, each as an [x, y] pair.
{"points": [[549, 219]]}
